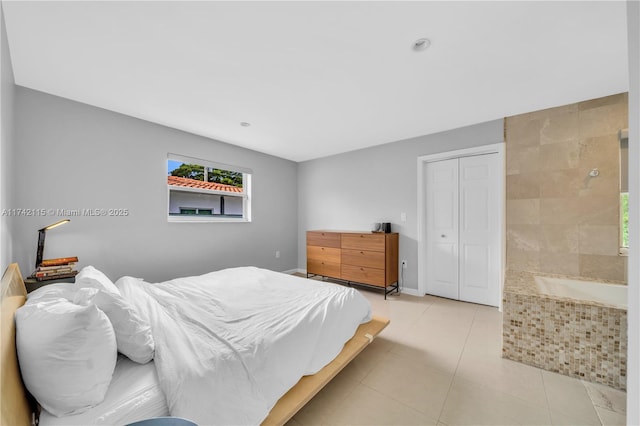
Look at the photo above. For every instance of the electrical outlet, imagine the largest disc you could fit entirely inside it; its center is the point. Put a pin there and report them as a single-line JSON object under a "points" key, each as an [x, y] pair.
{"points": [[277, 254], [404, 264]]}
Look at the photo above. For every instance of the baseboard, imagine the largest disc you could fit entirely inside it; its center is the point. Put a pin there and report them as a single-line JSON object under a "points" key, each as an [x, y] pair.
{"points": [[411, 292], [293, 271]]}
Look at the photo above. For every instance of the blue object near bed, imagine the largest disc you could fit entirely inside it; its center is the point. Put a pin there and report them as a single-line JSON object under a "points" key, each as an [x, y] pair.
{"points": [[164, 421]]}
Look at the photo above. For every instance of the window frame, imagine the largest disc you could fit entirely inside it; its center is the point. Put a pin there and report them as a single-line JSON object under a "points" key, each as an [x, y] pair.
{"points": [[623, 149], [245, 194], [624, 250]]}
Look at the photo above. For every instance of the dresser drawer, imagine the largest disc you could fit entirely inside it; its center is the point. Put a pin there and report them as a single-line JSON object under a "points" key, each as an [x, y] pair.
{"points": [[327, 254], [323, 239], [371, 259], [324, 268], [362, 274], [369, 242]]}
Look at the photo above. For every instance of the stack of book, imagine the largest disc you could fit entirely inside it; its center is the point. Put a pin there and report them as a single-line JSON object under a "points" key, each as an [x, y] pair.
{"points": [[55, 269]]}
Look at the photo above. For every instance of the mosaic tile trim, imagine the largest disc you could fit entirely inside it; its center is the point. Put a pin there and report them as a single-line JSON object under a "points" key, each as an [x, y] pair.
{"points": [[583, 340]]}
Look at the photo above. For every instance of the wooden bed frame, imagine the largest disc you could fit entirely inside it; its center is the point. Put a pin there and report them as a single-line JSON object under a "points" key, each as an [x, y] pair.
{"points": [[15, 406]]}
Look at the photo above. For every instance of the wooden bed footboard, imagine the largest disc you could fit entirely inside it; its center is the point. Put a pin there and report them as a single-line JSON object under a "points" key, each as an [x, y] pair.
{"points": [[308, 386]]}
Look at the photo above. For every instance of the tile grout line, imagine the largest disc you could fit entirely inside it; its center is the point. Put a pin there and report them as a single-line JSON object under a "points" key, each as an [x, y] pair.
{"points": [[413, 324], [546, 396], [592, 402], [596, 407], [457, 365]]}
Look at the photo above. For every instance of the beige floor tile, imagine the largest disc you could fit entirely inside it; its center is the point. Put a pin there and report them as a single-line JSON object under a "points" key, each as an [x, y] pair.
{"points": [[321, 410], [369, 358], [438, 336], [394, 332], [513, 378], [407, 308], [442, 310], [376, 298], [378, 304], [488, 314], [605, 397], [412, 383], [482, 362], [488, 347], [444, 334], [568, 396], [472, 404], [365, 406], [560, 419], [441, 354], [485, 339], [403, 310], [611, 418], [438, 324], [445, 318]]}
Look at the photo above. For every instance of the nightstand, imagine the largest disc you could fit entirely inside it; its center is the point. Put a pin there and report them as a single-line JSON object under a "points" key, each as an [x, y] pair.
{"points": [[33, 284]]}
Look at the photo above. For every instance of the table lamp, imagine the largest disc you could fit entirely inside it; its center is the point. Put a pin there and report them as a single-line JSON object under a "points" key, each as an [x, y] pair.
{"points": [[41, 234]]}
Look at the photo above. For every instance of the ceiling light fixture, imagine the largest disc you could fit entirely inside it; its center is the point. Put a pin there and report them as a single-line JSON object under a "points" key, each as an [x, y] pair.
{"points": [[245, 124], [421, 44]]}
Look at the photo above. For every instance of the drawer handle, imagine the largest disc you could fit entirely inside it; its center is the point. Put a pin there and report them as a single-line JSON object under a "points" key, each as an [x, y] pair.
{"points": [[361, 252]]}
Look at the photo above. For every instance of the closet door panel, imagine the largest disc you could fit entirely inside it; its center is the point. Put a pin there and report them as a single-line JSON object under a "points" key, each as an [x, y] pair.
{"points": [[479, 245], [442, 228]]}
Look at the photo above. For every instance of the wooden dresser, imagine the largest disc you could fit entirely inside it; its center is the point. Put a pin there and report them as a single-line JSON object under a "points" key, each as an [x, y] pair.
{"points": [[356, 257]]}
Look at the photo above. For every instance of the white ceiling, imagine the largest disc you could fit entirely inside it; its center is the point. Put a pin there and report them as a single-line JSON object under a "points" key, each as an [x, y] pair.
{"points": [[319, 78]]}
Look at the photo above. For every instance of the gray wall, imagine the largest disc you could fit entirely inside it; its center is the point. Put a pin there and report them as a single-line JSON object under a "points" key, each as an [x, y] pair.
{"points": [[74, 156], [351, 191], [7, 89]]}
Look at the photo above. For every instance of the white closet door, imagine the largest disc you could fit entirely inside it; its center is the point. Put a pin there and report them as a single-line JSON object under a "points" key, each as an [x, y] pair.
{"points": [[463, 235], [442, 228], [479, 230]]}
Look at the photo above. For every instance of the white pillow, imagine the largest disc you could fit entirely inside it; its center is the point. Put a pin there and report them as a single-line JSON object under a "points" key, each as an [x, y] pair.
{"points": [[131, 289], [91, 277], [67, 354], [52, 292], [133, 333]]}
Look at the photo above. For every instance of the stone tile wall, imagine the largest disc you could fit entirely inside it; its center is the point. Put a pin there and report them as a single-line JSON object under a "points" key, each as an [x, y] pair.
{"points": [[560, 220]]}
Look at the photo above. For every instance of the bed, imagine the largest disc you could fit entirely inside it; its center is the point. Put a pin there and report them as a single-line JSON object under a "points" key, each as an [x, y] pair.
{"points": [[17, 409]]}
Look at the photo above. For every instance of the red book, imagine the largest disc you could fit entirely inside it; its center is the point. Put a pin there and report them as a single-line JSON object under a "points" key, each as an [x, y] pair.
{"points": [[54, 272], [58, 261], [57, 267]]}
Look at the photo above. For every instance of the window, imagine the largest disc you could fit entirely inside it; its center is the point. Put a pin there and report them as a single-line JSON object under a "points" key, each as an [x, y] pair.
{"points": [[196, 211], [205, 191], [624, 191]]}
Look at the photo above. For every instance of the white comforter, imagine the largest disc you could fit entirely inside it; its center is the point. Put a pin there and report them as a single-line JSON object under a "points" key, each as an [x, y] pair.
{"points": [[230, 343]]}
